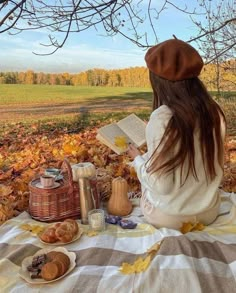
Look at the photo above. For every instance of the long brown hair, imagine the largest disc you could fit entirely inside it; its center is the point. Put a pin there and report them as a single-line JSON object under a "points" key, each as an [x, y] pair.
{"points": [[191, 106]]}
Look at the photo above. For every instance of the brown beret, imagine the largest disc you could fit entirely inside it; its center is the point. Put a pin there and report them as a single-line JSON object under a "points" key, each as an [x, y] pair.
{"points": [[174, 60]]}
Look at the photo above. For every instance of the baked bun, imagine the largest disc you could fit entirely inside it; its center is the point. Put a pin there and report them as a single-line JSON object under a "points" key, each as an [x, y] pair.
{"points": [[56, 225], [49, 235], [64, 232], [67, 230], [74, 224]]}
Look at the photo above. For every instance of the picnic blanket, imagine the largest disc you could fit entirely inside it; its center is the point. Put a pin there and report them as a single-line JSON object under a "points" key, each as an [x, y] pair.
{"points": [[201, 261]]}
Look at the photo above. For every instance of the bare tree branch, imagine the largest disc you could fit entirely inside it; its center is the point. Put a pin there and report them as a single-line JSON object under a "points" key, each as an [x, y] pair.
{"points": [[124, 17], [209, 32]]}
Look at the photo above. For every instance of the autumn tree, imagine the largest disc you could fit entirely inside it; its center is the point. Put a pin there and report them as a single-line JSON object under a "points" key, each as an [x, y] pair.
{"points": [[219, 46], [30, 77]]}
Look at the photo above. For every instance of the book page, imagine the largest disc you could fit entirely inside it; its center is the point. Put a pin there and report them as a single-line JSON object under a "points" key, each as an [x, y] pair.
{"points": [[107, 135], [134, 127]]}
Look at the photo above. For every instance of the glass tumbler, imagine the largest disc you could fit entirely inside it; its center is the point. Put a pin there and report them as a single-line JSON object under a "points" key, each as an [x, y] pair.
{"points": [[96, 219]]}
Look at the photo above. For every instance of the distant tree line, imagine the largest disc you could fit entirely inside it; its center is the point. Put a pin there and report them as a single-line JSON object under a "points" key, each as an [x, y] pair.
{"points": [[129, 77]]}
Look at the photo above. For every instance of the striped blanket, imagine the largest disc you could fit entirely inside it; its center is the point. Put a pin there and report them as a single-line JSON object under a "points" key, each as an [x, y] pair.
{"points": [[202, 261]]}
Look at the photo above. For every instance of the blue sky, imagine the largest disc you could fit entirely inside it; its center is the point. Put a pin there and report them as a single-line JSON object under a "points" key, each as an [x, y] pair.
{"points": [[86, 50]]}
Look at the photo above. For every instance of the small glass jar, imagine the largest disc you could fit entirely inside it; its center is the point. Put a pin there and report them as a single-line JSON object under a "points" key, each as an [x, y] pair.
{"points": [[96, 219]]}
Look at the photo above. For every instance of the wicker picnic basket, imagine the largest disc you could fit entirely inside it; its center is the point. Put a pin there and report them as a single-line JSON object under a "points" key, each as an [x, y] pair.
{"points": [[51, 205]]}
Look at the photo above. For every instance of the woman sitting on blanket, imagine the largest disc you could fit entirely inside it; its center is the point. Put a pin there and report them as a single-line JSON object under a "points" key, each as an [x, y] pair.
{"points": [[183, 167]]}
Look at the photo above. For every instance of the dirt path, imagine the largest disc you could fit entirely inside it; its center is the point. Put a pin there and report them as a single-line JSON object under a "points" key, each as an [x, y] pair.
{"points": [[18, 112]]}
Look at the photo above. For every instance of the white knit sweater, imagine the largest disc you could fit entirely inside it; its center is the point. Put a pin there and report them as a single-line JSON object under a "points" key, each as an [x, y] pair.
{"points": [[165, 191]]}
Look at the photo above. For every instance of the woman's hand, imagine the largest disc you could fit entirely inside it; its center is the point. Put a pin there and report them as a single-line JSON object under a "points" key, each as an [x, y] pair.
{"points": [[132, 151]]}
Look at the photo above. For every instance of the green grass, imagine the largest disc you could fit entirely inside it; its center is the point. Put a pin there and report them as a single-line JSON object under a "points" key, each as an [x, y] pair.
{"points": [[46, 94], [139, 100], [224, 95]]}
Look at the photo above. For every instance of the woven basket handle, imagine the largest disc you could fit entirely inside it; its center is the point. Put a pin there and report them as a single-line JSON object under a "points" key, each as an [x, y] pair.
{"points": [[66, 166]]}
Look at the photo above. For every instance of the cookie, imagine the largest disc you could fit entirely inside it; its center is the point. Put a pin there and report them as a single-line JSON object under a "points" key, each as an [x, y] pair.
{"points": [[50, 271], [63, 258], [61, 268], [51, 255]]}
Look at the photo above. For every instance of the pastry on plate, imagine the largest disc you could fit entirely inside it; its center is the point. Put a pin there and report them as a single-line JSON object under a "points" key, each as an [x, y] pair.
{"points": [[63, 231]]}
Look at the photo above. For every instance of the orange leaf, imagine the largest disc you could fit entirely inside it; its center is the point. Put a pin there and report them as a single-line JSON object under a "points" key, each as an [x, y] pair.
{"points": [[186, 227], [190, 227], [5, 190]]}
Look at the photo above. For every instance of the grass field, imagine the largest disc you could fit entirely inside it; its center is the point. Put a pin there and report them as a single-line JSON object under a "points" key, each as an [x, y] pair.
{"points": [[63, 104], [17, 94]]}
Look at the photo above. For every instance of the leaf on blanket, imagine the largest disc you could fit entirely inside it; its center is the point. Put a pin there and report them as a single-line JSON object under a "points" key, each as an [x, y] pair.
{"points": [[190, 227], [92, 233], [34, 229], [198, 227], [154, 248], [140, 265]]}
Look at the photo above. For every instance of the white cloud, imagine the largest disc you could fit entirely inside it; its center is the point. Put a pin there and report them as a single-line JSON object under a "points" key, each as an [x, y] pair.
{"points": [[85, 50], [19, 56]]}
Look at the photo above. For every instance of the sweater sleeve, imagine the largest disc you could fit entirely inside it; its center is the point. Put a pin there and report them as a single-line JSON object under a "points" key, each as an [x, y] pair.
{"points": [[156, 183]]}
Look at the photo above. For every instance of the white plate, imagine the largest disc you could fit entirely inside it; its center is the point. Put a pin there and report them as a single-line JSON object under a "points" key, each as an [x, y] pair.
{"points": [[60, 243], [28, 261], [39, 185]]}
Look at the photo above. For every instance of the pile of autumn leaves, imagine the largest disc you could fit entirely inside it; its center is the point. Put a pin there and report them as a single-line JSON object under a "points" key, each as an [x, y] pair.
{"points": [[26, 152]]}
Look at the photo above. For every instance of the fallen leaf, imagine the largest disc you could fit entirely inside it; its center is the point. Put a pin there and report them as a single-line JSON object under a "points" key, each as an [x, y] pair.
{"points": [[5, 190], [127, 268], [34, 229], [190, 227], [198, 227], [92, 233], [186, 227], [154, 248], [140, 265]]}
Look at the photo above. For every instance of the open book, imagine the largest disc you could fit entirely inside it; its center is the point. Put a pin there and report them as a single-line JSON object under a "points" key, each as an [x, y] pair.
{"points": [[118, 135]]}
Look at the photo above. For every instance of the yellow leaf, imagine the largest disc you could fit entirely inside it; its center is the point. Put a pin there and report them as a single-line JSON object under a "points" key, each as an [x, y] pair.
{"points": [[68, 148], [127, 268], [92, 233], [37, 230], [154, 248], [140, 265], [25, 227], [189, 227], [55, 152], [121, 142], [186, 227], [198, 227], [34, 229]]}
